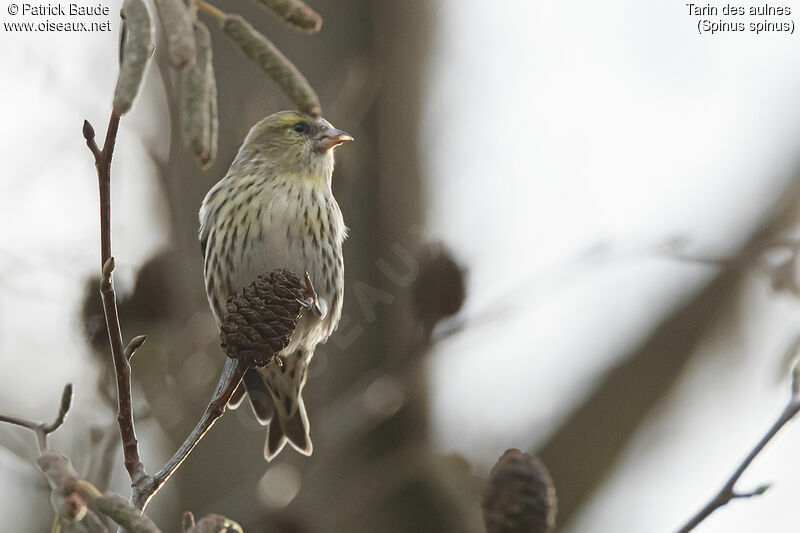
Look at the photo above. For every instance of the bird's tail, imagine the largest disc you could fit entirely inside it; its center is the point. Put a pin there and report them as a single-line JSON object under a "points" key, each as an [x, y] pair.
{"points": [[275, 393], [292, 428]]}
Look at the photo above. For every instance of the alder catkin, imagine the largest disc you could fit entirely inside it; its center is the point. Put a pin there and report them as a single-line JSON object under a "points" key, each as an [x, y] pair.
{"points": [[198, 90], [295, 13], [136, 51], [213, 120], [267, 56], [177, 25]]}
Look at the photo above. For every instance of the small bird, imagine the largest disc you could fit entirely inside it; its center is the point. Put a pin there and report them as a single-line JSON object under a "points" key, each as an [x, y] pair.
{"points": [[275, 209]]}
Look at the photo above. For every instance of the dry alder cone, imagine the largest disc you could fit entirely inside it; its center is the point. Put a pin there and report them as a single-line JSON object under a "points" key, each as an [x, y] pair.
{"points": [[261, 319], [440, 289], [519, 497]]}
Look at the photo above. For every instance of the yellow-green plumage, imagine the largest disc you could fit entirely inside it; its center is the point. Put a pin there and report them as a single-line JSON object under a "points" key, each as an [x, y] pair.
{"points": [[275, 209]]}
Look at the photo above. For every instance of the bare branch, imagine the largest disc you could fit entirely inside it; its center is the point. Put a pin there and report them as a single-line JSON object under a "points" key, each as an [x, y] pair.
{"points": [[134, 58], [231, 376], [39, 428], [727, 492], [122, 369], [143, 485]]}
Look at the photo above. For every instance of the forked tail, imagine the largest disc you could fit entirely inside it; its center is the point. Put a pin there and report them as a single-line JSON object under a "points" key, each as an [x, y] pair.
{"points": [[275, 394], [292, 429]]}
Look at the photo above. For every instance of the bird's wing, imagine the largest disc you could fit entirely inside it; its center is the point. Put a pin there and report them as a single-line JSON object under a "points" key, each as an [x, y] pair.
{"points": [[203, 233], [203, 241]]}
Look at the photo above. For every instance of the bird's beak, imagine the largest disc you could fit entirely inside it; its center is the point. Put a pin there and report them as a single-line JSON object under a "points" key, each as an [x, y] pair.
{"points": [[329, 138]]}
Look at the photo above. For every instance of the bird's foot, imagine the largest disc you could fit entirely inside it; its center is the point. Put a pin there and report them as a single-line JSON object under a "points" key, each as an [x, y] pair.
{"points": [[310, 300]]}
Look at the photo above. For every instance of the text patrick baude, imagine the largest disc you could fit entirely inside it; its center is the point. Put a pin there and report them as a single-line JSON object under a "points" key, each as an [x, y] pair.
{"points": [[54, 10]]}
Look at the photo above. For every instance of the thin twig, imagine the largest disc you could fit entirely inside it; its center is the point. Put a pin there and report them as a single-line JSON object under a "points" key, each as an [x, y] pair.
{"points": [[41, 429], [143, 486], [211, 10], [231, 376], [122, 369], [728, 492]]}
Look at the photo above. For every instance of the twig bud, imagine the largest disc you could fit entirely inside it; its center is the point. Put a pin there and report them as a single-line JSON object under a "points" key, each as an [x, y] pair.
{"points": [[66, 399], [63, 409], [134, 345], [176, 22], [758, 491], [108, 269], [267, 56], [137, 49], [295, 13], [198, 116], [519, 497], [762, 489], [88, 131]]}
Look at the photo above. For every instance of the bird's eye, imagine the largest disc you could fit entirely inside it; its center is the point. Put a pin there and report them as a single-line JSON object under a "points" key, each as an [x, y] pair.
{"points": [[301, 127]]}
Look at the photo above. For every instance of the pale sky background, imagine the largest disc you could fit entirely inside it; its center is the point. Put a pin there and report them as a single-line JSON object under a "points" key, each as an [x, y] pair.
{"points": [[586, 124], [615, 124]]}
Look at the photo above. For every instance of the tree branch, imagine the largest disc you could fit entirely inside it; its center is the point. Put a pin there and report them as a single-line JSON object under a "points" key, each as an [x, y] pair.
{"points": [[231, 376], [144, 486], [73, 496], [728, 492], [134, 58], [122, 369], [41, 429]]}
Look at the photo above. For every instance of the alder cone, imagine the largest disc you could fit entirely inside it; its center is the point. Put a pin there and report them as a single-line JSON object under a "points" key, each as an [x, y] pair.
{"points": [[440, 289], [519, 497], [261, 319]]}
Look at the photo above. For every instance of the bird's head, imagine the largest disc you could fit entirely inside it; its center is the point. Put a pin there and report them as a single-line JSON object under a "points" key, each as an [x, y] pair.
{"points": [[294, 144]]}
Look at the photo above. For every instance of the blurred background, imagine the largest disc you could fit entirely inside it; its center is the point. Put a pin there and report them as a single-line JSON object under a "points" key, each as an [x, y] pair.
{"points": [[573, 231]]}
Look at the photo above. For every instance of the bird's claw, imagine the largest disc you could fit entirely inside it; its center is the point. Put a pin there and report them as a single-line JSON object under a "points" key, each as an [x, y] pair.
{"points": [[310, 300]]}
